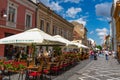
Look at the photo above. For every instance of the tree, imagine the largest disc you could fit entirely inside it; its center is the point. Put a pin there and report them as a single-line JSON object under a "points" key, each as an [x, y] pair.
{"points": [[99, 47]]}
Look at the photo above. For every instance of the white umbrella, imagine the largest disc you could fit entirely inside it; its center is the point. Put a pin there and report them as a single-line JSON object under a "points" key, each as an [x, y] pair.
{"points": [[30, 36], [63, 40], [79, 45]]}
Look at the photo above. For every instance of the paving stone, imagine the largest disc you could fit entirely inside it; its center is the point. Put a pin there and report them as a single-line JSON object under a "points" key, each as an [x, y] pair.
{"points": [[115, 76], [100, 70], [103, 77], [88, 78]]}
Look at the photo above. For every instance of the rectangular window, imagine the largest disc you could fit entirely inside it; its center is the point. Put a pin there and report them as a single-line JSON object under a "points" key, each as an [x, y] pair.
{"points": [[11, 14], [28, 21], [54, 30], [61, 31], [48, 28], [58, 31], [42, 25], [65, 34]]}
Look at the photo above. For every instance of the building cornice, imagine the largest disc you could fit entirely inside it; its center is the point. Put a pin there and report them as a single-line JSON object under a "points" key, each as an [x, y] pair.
{"points": [[28, 4]]}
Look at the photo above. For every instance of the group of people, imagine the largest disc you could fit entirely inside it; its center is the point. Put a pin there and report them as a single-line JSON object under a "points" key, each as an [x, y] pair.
{"points": [[93, 54], [106, 53], [16, 52]]}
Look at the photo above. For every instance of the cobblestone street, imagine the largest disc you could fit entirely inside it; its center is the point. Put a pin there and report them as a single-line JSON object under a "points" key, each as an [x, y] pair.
{"points": [[99, 70]]}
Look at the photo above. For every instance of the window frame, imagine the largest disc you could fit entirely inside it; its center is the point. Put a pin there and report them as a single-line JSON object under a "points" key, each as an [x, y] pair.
{"points": [[47, 27], [42, 24], [10, 23], [30, 14], [11, 19]]}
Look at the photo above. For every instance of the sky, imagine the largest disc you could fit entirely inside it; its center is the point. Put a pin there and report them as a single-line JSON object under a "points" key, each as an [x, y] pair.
{"points": [[93, 14]]}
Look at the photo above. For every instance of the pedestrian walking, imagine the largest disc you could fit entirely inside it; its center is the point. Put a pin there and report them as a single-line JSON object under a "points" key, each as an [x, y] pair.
{"points": [[91, 54], [106, 54], [95, 55]]}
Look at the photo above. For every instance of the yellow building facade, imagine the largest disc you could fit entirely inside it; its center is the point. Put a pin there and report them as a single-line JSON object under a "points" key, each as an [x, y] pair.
{"points": [[117, 23], [52, 23]]}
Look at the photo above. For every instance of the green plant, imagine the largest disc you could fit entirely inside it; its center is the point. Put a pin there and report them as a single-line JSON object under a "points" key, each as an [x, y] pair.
{"points": [[14, 66], [57, 50], [8, 66], [21, 66], [1, 63]]}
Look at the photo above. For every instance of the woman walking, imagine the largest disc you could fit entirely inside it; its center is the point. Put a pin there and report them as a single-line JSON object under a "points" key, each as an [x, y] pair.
{"points": [[106, 54]]}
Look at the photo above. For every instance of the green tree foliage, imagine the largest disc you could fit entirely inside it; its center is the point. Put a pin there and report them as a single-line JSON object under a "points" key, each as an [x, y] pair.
{"points": [[99, 47]]}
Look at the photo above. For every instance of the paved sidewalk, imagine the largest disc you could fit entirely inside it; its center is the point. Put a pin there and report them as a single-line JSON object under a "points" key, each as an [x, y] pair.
{"points": [[72, 71], [99, 70]]}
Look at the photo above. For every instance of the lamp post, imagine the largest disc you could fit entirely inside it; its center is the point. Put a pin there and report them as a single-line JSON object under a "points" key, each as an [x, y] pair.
{"points": [[3, 13]]}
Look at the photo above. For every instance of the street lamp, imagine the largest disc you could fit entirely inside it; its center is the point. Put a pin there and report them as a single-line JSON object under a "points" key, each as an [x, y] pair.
{"points": [[3, 13]]}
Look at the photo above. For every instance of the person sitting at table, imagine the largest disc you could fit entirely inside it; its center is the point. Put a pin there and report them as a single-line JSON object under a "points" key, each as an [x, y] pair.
{"points": [[23, 54], [17, 55]]}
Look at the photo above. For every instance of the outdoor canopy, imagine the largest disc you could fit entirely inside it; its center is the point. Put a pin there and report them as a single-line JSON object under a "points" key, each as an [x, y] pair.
{"points": [[69, 43], [34, 35], [63, 40], [79, 44]]}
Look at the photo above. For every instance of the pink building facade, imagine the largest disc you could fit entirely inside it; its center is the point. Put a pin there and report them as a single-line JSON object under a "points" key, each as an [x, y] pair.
{"points": [[15, 16]]}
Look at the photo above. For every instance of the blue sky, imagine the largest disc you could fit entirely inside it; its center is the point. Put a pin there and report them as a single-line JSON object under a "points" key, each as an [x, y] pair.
{"points": [[94, 14]]}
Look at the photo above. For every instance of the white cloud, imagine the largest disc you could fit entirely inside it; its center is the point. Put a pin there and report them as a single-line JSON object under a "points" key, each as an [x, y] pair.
{"points": [[80, 20], [104, 19], [103, 9], [55, 6], [101, 30], [46, 2], [71, 12], [91, 32], [73, 1], [102, 33]]}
